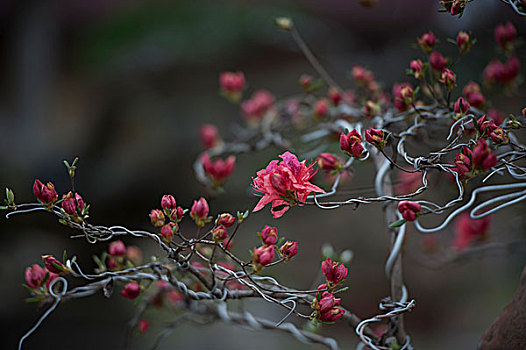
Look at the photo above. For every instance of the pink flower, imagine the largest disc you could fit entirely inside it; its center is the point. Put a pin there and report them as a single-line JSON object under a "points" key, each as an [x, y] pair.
{"points": [[362, 76], [504, 73], [483, 157], [305, 81], [474, 95], [437, 61], [284, 183], [73, 205], [45, 193], [505, 35], [262, 256], [34, 276], [468, 230], [117, 248], [329, 162], [409, 210], [335, 272], [218, 170], [157, 217], [176, 214], [351, 143], [143, 325], [288, 250], [131, 290], [209, 136], [199, 211], [269, 235], [226, 219], [257, 106], [219, 233], [168, 202], [427, 41]]}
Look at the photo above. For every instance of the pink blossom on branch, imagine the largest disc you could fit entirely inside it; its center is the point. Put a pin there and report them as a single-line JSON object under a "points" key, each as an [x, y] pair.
{"points": [[219, 169], [284, 183], [335, 272]]}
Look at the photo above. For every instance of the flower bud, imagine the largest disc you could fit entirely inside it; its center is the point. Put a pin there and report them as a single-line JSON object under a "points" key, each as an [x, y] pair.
{"points": [[329, 162], [461, 108], [351, 143], [321, 108], [448, 79], [269, 235], [485, 125], [306, 82], [46, 194], [468, 230], [34, 276], [55, 266], [232, 85], [134, 255], [157, 217], [505, 35], [288, 250], [427, 42], [72, 205], [262, 256], [437, 61], [218, 170], [168, 230], [399, 99], [335, 95], [257, 106], [463, 163], [332, 315], [499, 136], [199, 211], [371, 109], [131, 290], [219, 233], [408, 94], [168, 202], [326, 302], [417, 68], [226, 219], [117, 248], [209, 136], [483, 157], [375, 137], [409, 210], [334, 272], [143, 326], [464, 42], [177, 214]]}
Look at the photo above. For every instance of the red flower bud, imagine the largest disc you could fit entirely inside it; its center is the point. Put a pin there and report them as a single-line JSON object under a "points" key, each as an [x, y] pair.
{"points": [[427, 41], [257, 106], [209, 136], [134, 255], [473, 95], [168, 202], [232, 85], [46, 194], [371, 109], [168, 230], [226, 219], [332, 315], [409, 210], [219, 233], [157, 217], [334, 272], [262, 256], [437, 61], [329, 162], [288, 250], [131, 290], [321, 108], [218, 170], [269, 235], [199, 211], [177, 214], [73, 205], [483, 158], [306, 82], [143, 326], [416, 67], [464, 42], [505, 35], [55, 266], [117, 248], [402, 96], [468, 230], [448, 79], [461, 108], [351, 143], [463, 163], [375, 137], [327, 302], [34, 276], [335, 95]]}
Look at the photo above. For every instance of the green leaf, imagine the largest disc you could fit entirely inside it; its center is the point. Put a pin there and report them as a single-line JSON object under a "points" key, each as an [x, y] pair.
{"points": [[452, 41], [280, 240], [34, 300], [3, 207], [397, 223]]}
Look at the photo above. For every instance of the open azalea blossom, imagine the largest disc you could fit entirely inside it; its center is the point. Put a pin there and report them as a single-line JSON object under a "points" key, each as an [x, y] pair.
{"points": [[284, 183]]}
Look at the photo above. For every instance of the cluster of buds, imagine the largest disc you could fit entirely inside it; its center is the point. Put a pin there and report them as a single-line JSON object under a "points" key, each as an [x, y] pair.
{"points": [[409, 210], [460, 108], [131, 290], [73, 205], [209, 136], [505, 35], [257, 106], [503, 73], [448, 79], [437, 61], [371, 109], [321, 108], [326, 305], [219, 233], [263, 255], [329, 162], [171, 211], [219, 169], [464, 42], [351, 143], [426, 42], [45, 194], [38, 280], [119, 256], [469, 163], [488, 128], [454, 7], [364, 78], [165, 291], [416, 69], [468, 230], [376, 138], [474, 95], [199, 212], [232, 85], [403, 96]]}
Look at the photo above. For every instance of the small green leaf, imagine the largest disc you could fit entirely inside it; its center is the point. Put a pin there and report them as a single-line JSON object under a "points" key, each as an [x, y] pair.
{"points": [[34, 300], [280, 241], [452, 41], [397, 223]]}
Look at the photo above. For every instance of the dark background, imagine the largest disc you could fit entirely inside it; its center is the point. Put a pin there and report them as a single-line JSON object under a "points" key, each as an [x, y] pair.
{"points": [[125, 85]]}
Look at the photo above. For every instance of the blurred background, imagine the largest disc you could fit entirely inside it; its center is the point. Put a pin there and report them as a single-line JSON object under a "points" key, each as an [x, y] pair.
{"points": [[125, 85]]}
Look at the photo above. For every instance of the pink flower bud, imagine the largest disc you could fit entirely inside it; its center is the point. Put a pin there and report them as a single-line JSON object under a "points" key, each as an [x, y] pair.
{"points": [[409, 210], [209, 136], [437, 61], [427, 42], [199, 211], [262, 256], [257, 106], [483, 157], [371, 109], [306, 82], [288, 250], [332, 315], [461, 107], [321, 108], [402, 96], [73, 205], [55, 266], [351, 143], [416, 67], [464, 42], [329, 162], [232, 82], [375, 137], [226, 219], [218, 170], [51, 278], [168, 202], [34, 276], [505, 35], [327, 302], [448, 79], [46, 194], [134, 255], [177, 214], [168, 230], [463, 163], [131, 290], [335, 95], [334, 272], [219, 233], [468, 230], [269, 235], [473, 95], [499, 136], [363, 77], [117, 248], [157, 217], [143, 326]]}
